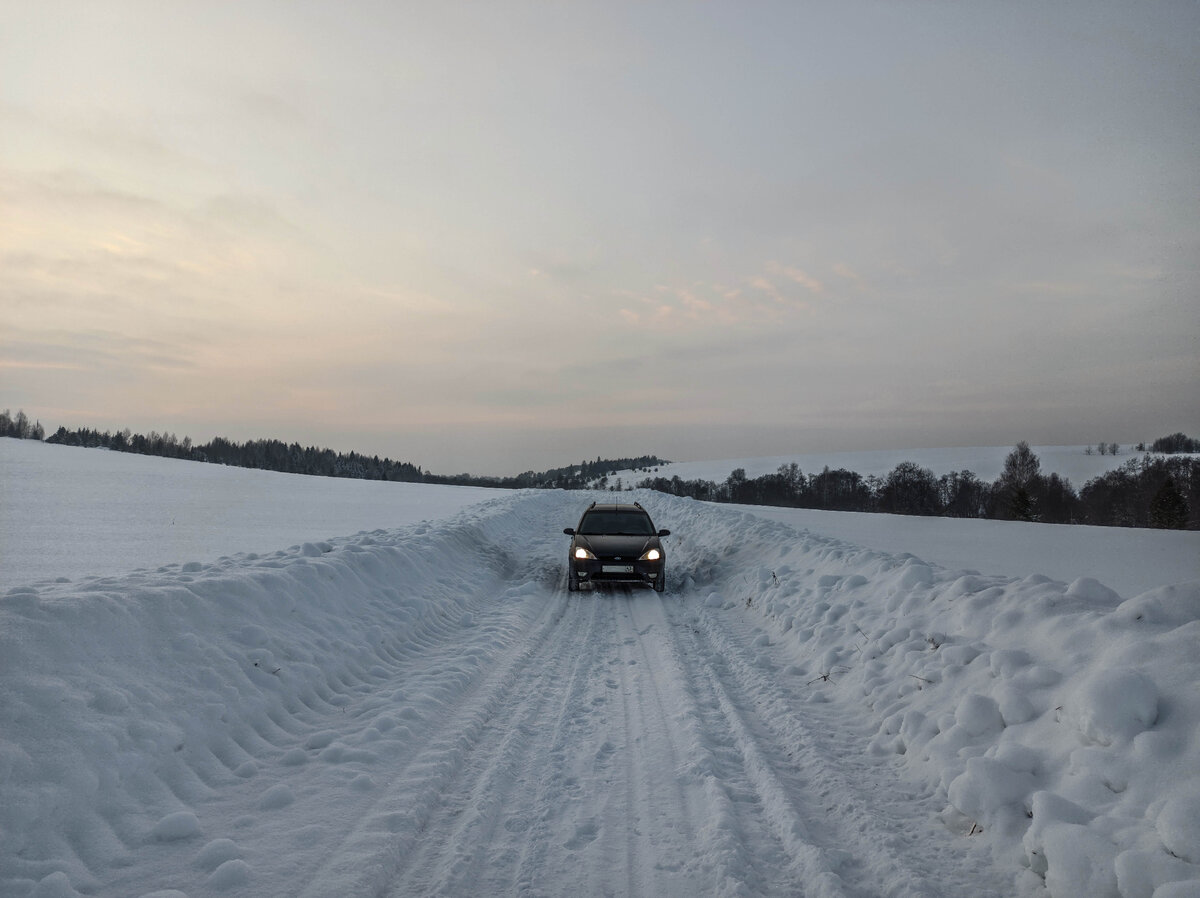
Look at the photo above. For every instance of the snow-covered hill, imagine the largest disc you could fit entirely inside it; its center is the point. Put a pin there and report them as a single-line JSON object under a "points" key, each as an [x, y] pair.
{"points": [[423, 709], [72, 512]]}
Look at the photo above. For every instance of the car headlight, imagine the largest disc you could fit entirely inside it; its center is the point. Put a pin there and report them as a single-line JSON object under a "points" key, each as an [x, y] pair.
{"points": [[651, 555], [582, 554]]}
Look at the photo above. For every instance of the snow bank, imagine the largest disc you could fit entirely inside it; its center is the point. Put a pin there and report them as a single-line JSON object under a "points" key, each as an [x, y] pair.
{"points": [[131, 705], [1061, 723]]}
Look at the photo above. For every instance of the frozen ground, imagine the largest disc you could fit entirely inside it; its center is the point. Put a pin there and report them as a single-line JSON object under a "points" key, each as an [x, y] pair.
{"points": [[425, 710]]}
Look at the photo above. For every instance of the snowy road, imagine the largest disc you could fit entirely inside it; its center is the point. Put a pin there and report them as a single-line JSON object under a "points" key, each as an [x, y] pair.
{"points": [[619, 746], [605, 744], [427, 711]]}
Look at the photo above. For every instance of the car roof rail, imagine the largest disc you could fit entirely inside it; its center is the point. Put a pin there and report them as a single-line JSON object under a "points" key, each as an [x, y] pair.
{"points": [[639, 505], [593, 505]]}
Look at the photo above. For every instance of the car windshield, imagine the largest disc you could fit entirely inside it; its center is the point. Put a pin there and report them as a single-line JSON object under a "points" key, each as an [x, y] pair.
{"points": [[629, 523]]}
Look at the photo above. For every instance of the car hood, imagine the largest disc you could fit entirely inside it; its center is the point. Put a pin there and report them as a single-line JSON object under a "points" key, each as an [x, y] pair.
{"points": [[631, 546]]}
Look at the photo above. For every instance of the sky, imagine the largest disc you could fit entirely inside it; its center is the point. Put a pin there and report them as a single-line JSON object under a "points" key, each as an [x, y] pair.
{"points": [[494, 237]]}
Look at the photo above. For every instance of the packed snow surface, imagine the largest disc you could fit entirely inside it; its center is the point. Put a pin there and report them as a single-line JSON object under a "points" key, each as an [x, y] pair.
{"points": [[424, 709]]}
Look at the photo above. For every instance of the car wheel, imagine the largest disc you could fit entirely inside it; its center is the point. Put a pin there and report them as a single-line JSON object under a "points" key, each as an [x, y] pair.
{"points": [[572, 583], [660, 585]]}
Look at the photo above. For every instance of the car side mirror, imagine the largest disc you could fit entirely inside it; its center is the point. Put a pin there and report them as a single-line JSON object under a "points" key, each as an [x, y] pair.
{"points": [[664, 533], [569, 531]]}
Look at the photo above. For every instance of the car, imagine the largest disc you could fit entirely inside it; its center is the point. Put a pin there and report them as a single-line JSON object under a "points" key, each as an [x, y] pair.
{"points": [[616, 543]]}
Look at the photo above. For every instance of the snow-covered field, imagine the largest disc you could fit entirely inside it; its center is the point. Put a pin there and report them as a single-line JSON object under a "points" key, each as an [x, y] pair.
{"points": [[70, 512], [423, 709]]}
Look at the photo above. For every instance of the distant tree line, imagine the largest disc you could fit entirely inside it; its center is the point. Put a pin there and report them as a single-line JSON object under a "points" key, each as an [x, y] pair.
{"points": [[267, 455], [292, 458], [1147, 491], [19, 427], [584, 475], [1175, 443], [1156, 490]]}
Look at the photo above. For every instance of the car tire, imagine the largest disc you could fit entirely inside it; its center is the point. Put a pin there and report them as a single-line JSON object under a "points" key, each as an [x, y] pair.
{"points": [[572, 583], [660, 585]]}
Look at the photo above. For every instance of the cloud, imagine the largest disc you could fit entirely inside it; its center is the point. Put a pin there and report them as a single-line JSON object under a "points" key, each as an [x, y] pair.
{"points": [[803, 278], [762, 284], [842, 270]]}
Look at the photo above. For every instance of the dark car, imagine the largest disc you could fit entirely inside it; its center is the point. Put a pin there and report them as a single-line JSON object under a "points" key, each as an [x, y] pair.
{"points": [[616, 544]]}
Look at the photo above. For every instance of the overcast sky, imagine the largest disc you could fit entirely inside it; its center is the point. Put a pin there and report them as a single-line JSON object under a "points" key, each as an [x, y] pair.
{"points": [[499, 236]]}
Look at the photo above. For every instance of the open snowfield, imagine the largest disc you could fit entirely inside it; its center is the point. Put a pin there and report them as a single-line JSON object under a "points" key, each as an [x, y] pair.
{"points": [[71, 512], [302, 698]]}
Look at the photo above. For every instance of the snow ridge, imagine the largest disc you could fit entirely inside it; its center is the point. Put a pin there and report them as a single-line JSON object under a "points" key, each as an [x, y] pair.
{"points": [[1055, 718]]}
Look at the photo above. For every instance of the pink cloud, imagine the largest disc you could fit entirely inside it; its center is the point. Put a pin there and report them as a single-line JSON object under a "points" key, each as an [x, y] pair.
{"points": [[798, 275]]}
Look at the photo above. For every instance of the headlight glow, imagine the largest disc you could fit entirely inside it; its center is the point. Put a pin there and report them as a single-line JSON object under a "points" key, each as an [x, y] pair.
{"points": [[582, 553], [652, 555]]}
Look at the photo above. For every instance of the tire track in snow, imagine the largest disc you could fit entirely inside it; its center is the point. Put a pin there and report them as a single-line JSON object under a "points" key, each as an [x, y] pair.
{"points": [[563, 830], [864, 809], [751, 841], [377, 847], [646, 829], [468, 844]]}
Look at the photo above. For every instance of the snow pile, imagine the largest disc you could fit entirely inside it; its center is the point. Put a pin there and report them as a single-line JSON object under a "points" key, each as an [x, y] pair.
{"points": [[132, 708], [1060, 722]]}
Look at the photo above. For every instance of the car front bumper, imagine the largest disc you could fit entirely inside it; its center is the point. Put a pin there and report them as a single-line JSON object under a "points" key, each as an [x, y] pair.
{"points": [[608, 570]]}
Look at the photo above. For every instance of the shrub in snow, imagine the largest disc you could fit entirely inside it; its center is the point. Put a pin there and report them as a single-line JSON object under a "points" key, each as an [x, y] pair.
{"points": [[1113, 706]]}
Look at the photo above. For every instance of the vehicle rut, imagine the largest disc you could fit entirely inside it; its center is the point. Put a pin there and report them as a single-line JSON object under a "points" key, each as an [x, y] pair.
{"points": [[628, 743]]}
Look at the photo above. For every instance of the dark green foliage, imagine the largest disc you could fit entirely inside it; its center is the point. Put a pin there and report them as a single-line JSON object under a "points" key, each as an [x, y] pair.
{"points": [[1023, 493], [19, 427], [1168, 508], [268, 455], [1130, 495], [963, 495], [910, 489], [572, 477], [275, 455], [1135, 495], [1176, 442]]}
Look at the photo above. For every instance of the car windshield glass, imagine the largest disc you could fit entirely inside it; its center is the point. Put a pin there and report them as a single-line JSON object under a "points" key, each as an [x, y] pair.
{"points": [[615, 522]]}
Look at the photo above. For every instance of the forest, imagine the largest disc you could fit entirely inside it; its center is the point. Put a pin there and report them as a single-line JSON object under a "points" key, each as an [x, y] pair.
{"points": [[292, 458], [1158, 490]]}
